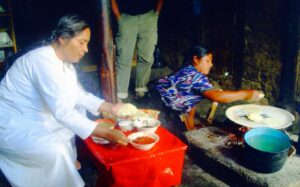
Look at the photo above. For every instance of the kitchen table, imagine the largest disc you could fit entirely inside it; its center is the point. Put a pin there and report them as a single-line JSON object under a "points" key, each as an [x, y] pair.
{"points": [[126, 166]]}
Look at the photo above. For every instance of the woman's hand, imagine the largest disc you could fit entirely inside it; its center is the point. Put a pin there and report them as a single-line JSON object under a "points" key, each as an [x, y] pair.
{"points": [[110, 108], [121, 110], [115, 109], [112, 135], [254, 95], [124, 111], [117, 136]]}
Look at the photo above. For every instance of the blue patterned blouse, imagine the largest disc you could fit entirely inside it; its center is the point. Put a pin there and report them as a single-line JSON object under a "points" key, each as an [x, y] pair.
{"points": [[182, 90]]}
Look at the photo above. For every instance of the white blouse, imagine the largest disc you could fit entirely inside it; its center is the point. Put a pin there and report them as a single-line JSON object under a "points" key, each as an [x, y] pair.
{"points": [[41, 92]]}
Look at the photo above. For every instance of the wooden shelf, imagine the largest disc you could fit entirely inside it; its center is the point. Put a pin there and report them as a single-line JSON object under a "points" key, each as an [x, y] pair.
{"points": [[6, 23]]}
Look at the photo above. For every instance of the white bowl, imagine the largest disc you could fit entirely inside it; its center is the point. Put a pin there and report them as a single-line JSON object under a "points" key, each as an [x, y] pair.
{"points": [[126, 125], [144, 147], [146, 124]]}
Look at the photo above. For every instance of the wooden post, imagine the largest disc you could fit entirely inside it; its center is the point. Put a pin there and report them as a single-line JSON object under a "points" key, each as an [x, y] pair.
{"points": [[107, 68]]}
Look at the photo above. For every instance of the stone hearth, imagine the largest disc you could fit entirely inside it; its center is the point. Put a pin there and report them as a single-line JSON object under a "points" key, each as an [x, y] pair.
{"points": [[209, 149]]}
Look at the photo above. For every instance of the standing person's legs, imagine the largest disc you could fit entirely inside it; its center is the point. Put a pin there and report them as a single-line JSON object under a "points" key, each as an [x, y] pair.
{"points": [[147, 39], [125, 41]]}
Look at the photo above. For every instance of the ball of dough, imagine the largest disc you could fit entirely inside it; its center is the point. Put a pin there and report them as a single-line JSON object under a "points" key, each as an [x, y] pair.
{"points": [[127, 110]]}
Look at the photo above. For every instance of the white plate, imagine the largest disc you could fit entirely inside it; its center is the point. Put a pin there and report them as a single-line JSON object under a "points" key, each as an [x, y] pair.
{"points": [[109, 124], [100, 140], [273, 117]]}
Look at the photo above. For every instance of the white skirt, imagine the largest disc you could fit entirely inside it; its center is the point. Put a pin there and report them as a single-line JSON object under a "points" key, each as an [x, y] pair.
{"points": [[37, 158]]}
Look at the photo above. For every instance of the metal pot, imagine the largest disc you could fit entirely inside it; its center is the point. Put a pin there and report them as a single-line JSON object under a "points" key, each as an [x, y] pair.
{"points": [[266, 149]]}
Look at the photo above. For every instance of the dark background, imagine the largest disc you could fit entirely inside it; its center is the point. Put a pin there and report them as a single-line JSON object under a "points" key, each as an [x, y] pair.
{"points": [[34, 19], [255, 42]]}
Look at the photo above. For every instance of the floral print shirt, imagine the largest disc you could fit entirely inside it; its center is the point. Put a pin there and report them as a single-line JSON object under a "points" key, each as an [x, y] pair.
{"points": [[182, 90]]}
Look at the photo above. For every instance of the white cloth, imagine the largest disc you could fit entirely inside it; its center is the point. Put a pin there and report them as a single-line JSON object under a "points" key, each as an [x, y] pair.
{"points": [[39, 98]]}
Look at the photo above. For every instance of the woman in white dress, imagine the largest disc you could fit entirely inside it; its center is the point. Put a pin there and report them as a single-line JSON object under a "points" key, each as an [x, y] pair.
{"points": [[40, 98]]}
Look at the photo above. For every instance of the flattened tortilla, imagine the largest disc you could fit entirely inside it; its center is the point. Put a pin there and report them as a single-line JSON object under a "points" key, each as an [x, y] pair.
{"points": [[251, 109], [255, 116], [273, 122]]}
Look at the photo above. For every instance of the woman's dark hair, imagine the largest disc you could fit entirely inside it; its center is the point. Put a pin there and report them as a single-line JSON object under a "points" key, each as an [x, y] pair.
{"points": [[67, 27], [198, 51]]}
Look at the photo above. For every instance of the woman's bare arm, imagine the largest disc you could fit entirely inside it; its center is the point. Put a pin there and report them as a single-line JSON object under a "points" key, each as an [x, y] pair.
{"points": [[227, 96]]}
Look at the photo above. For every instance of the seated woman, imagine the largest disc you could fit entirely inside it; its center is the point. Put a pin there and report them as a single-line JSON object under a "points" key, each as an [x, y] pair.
{"points": [[41, 106], [182, 90]]}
